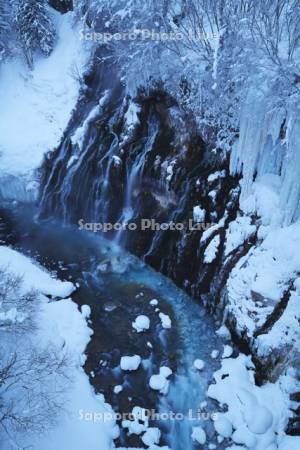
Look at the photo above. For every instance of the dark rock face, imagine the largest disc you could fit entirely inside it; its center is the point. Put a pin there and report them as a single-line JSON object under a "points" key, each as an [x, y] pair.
{"points": [[62, 6], [133, 159]]}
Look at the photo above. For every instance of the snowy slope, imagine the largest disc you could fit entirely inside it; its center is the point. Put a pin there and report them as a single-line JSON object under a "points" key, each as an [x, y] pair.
{"points": [[263, 292], [36, 106], [62, 322]]}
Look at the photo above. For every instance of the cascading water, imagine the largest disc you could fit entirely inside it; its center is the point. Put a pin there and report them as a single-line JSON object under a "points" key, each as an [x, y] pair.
{"points": [[134, 176]]}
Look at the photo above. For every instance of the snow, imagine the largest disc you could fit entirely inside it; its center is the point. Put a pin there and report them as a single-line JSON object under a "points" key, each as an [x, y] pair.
{"points": [[78, 136], [223, 426], [285, 331], [227, 351], [256, 416], [238, 232], [198, 214], [223, 332], [165, 371], [199, 364], [264, 200], [132, 115], [160, 382], [214, 354], [64, 327], [212, 195], [207, 233], [259, 280], [35, 277], [130, 362], [212, 250], [199, 435], [139, 422], [36, 107], [153, 302], [117, 161], [259, 420], [165, 320], [141, 323], [216, 175], [170, 170], [118, 389], [74, 433], [151, 436], [86, 311]]}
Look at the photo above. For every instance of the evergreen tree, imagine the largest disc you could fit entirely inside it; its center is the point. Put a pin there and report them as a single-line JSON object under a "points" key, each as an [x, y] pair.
{"points": [[5, 28], [34, 27]]}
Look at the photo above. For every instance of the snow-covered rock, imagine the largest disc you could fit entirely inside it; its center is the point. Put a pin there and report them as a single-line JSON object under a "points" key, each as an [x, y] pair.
{"points": [[153, 302], [141, 323], [86, 311], [227, 351], [130, 362], [159, 382], [199, 364], [214, 354], [118, 389], [223, 332], [199, 435], [212, 250], [165, 320], [140, 421], [256, 415], [151, 436], [198, 214], [223, 426]]}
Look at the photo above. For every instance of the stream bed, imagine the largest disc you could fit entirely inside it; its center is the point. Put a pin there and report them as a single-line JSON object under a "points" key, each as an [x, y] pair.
{"points": [[118, 287]]}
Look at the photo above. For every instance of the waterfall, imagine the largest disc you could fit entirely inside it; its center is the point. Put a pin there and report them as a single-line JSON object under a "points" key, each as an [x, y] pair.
{"points": [[134, 176]]}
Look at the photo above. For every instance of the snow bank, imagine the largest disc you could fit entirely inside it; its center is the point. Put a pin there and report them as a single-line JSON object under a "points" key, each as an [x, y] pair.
{"points": [[256, 416], [237, 233], [36, 106], [63, 327], [260, 279], [34, 276]]}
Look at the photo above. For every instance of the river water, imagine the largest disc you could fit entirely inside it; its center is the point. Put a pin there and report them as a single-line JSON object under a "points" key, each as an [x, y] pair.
{"points": [[118, 287]]}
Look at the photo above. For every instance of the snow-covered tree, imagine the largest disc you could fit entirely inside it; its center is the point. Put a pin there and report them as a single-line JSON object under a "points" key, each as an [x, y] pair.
{"points": [[5, 27], [32, 377], [35, 28]]}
